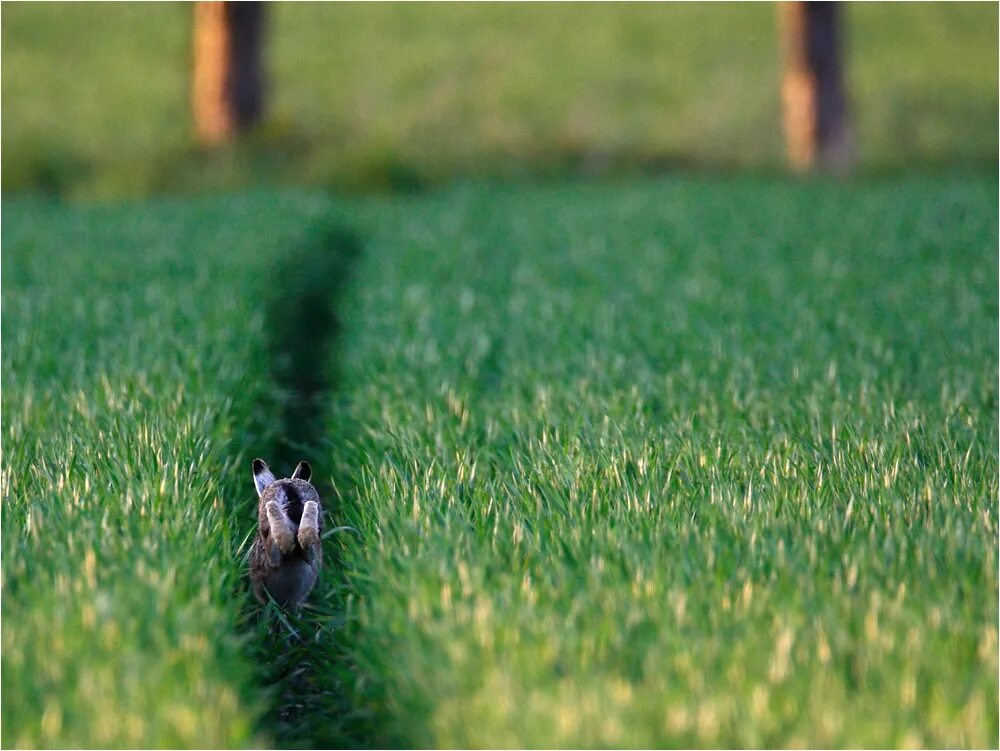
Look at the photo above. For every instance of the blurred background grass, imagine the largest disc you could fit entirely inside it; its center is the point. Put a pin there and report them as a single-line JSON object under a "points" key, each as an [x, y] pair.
{"points": [[388, 96]]}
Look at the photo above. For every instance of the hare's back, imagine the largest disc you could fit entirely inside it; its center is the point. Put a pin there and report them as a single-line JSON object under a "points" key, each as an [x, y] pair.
{"points": [[291, 494]]}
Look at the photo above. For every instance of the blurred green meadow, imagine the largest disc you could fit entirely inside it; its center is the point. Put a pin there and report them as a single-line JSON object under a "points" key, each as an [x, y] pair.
{"points": [[386, 96], [627, 438]]}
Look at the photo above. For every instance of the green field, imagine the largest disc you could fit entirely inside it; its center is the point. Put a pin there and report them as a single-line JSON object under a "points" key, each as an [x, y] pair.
{"points": [[368, 95], [687, 462], [137, 379]]}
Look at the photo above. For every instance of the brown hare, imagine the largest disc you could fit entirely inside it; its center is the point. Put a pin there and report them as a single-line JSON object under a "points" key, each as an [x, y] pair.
{"points": [[286, 556]]}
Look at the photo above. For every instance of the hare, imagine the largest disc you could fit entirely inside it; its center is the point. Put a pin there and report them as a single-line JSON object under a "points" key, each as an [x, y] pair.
{"points": [[286, 556]]}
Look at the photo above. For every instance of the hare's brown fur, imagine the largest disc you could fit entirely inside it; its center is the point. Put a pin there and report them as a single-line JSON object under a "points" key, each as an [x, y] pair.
{"points": [[287, 555]]}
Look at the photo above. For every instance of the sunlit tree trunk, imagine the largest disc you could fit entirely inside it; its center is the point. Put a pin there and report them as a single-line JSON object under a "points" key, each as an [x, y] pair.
{"points": [[227, 89], [817, 132]]}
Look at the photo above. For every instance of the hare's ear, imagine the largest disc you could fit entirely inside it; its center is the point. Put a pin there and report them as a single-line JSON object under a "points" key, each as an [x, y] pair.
{"points": [[262, 476], [302, 472]]}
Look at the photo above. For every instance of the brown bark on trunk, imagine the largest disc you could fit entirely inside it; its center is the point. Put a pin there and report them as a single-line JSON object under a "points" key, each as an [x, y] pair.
{"points": [[817, 132], [227, 92]]}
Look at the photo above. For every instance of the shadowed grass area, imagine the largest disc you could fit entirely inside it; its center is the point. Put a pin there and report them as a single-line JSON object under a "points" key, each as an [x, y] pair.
{"points": [[400, 97], [303, 326], [683, 463], [302, 329]]}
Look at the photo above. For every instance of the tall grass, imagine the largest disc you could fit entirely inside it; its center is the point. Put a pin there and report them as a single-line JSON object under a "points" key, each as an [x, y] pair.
{"points": [[689, 463], [136, 384]]}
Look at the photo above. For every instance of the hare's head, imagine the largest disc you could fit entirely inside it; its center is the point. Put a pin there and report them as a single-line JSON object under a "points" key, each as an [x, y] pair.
{"points": [[291, 494]]}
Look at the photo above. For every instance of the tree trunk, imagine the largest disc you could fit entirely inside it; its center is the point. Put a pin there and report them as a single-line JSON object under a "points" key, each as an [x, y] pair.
{"points": [[817, 132], [228, 82]]}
